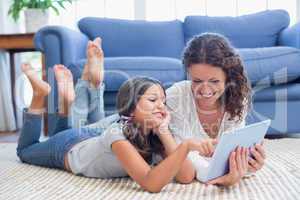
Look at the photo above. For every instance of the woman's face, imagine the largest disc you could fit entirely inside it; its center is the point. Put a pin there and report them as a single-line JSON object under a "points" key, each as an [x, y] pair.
{"points": [[150, 109], [208, 84]]}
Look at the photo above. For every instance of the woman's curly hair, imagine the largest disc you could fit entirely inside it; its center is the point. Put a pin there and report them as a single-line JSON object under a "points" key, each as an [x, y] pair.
{"points": [[127, 98], [214, 49]]}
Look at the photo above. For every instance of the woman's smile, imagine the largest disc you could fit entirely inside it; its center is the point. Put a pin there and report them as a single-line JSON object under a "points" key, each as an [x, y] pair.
{"points": [[207, 95]]}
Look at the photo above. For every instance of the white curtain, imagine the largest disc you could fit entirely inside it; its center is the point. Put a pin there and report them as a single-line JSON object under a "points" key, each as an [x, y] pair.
{"points": [[7, 119]]}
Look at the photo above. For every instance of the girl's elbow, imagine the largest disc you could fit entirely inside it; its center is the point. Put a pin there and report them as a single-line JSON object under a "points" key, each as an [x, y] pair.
{"points": [[186, 179], [151, 188], [154, 190]]}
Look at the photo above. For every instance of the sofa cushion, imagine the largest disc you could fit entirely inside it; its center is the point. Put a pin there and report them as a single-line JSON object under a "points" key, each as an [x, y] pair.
{"points": [[286, 92], [284, 115], [247, 31], [119, 69], [135, 37], [271, 65]]}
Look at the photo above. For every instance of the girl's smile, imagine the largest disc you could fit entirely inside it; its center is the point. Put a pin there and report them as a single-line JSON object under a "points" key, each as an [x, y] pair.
{"points": [[150, 109]]}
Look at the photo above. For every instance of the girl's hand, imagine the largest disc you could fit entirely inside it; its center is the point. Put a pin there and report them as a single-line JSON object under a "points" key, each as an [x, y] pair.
{"points": [[205, 147], [238, 167], [164, 125], [258, 160]]}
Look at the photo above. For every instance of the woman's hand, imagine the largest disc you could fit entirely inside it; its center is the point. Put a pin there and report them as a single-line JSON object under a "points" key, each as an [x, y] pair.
{"points": [[257, 160], [205, 147], [238, 167]]}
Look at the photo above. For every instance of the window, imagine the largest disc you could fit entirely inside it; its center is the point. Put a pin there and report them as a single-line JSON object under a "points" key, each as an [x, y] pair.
{"points": [[157, 10], [178, 9], [93, 8]]}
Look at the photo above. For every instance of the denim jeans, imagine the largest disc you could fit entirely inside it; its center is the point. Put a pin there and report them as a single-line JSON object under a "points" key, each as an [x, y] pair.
{"points": [[88, 106], [51, 153]]}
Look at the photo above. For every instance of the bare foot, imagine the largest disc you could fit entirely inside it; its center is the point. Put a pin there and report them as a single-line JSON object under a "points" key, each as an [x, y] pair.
{"points": [[95, 62], [65, 86], [85, 73], [40, 88]]}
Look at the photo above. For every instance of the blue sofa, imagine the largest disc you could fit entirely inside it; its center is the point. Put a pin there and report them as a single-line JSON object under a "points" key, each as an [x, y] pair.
{"points": [[268, 46]]}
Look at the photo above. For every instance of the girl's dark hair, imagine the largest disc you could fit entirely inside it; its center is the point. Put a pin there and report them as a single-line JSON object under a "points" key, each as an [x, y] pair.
{"points": [[214, 49], [127, 98]]}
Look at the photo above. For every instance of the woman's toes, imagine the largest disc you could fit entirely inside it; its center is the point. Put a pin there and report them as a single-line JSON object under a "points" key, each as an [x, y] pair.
{"points": [[25, 67], [90, 47], [85, 73], [94, 68], [39, 86], [97, 41], [99, 53]]}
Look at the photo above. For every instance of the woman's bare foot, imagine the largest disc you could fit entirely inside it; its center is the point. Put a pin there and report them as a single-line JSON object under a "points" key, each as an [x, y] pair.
{"points": [[65, 87], [85, 73], [40, 89], [95, 62]]}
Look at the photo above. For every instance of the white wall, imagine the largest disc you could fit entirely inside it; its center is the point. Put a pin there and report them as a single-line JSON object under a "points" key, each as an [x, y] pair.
{"points": [[7, 23], [150, 10], [178, 9]]}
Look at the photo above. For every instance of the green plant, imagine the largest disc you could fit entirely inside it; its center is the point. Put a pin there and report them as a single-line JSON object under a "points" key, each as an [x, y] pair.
{"points": [[19, 5]]}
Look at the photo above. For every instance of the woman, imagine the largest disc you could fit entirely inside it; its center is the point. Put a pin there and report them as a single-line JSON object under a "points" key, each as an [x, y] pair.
{"points": [[117, 146], [215, 99]]}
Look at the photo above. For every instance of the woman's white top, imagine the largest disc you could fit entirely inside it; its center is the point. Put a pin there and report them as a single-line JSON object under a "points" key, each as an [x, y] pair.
{"points": [[185, 123]]}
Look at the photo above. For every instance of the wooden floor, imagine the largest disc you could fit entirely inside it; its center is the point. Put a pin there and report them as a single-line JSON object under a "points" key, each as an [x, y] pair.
{"points": [[9, 137]]}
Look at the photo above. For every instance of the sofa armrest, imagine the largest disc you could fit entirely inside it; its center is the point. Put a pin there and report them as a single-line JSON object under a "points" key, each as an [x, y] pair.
{"points": [[60, 45], [290, 36]]}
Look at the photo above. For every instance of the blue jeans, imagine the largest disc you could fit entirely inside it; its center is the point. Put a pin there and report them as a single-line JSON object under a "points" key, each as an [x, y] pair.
{"points": [[51, 153], [88, 106]]}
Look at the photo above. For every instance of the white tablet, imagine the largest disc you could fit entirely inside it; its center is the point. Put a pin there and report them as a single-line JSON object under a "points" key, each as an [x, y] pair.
{"points": [[218, 165]]}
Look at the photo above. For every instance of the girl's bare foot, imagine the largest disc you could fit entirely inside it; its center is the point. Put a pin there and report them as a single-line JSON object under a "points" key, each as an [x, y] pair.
{"points": [[65, 87], [40, 89], [95, 62]]}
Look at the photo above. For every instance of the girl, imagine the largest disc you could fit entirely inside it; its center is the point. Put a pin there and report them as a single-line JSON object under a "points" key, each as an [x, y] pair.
{"points": [[120, 145], [215, 99]]}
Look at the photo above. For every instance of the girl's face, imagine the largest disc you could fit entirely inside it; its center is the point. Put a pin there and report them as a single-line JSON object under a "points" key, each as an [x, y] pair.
{"points": [[150, 110], [208, 84]]}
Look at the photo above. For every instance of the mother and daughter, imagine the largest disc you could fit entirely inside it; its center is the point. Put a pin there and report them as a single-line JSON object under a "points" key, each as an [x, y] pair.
{"points": [[157, 135]]}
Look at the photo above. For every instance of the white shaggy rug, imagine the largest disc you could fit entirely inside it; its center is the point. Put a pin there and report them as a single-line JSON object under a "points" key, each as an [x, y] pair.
{"points": [[279, 179]]}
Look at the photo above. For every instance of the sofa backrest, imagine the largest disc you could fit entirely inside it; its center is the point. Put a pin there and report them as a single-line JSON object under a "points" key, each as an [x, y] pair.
{"points": [[135, 37], [247, 31]]}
